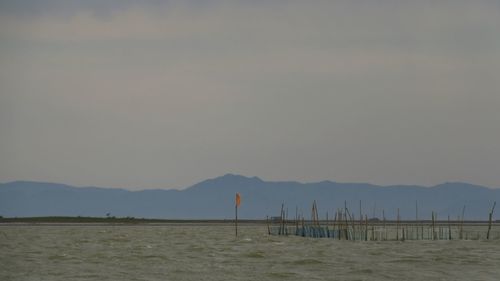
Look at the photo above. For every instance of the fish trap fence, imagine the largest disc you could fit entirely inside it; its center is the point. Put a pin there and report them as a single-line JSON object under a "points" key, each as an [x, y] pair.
{"points": [[379, 232]]}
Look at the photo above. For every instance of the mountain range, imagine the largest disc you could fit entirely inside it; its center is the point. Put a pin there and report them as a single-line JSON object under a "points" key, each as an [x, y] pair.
{"points": [[214, 199]]}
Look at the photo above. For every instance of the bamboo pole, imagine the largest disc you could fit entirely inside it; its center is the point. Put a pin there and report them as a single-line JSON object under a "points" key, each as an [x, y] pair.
{"points": [[286, 222], [303, 227], [327, 225], [489, 221], [296, 219], [385, 228], [374, 208], [316, 210], [416, 210], [347, 219], [347, 236], [353, 224], [433, 227], [416, 217], [449, 228], [461, 233], [397, 226], [366, 227], [314, 215], [373, 232], [268, 228], [360, 220], [339, 223], [281, 219], [334, 223]]}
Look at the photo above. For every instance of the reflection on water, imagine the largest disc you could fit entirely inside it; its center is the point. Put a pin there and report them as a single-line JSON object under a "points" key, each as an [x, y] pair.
{"points": [[211, 252]]}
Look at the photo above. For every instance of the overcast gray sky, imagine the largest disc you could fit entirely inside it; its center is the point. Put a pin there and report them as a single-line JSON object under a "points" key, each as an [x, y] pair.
{"points": [[152, 94]]}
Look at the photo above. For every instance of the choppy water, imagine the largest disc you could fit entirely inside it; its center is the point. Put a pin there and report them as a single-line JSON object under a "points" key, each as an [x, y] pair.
{"points": [[211, 252]]}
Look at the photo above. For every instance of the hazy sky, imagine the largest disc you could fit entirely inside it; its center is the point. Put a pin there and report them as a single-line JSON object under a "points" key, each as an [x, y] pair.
{"points": [[154, 94]]}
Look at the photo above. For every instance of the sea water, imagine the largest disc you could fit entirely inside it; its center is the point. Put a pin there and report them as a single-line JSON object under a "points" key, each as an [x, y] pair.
{"points": [[212, 252]]}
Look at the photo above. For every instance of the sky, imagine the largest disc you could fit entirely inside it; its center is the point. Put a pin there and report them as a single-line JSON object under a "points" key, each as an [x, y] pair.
{"points": [[164, 94]]}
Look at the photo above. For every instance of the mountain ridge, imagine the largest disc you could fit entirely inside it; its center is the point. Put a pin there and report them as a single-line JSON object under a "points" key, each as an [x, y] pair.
{"points": [[214, 199], [230, 175]]}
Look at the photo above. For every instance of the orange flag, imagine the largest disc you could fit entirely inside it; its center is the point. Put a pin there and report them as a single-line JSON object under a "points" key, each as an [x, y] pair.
{"points": [[238, 199]]}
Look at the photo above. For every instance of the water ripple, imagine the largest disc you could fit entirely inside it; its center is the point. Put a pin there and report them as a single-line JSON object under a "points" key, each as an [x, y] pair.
{"points": [[211, 252]]}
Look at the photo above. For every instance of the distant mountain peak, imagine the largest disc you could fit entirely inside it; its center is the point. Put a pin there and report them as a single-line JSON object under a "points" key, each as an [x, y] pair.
{"points": [[460, 186], [230, 176], [236, 179], [228, 180]]}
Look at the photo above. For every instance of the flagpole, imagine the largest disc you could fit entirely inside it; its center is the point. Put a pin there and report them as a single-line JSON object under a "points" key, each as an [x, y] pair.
{"points": [[237, 202]]}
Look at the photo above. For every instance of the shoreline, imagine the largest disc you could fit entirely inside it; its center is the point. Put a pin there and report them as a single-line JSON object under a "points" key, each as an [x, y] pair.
{"points": [[64, 220], [117, 221]]}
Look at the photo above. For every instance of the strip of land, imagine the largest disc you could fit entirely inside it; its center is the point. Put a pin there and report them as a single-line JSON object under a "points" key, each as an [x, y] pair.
{"points": [[133, 220], [112, 220]]}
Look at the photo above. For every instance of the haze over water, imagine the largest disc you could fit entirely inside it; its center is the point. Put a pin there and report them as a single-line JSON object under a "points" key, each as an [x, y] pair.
{"points": [[211, 252]]}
